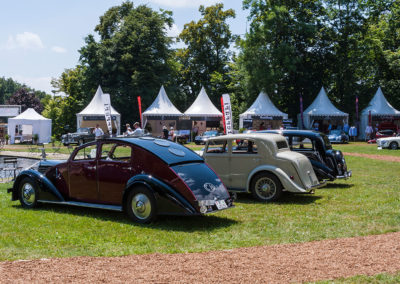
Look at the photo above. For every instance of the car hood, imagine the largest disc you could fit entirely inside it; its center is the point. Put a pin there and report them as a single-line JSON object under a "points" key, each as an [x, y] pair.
{"points": [[388, 139]]}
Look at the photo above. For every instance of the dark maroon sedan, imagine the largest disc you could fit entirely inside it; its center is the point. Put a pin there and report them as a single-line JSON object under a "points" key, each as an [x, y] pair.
{"points": [[143, 176]]}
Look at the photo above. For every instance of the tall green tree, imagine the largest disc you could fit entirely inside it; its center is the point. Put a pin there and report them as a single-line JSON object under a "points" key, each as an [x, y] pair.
{"points": [[131, 57], [205, 60]]}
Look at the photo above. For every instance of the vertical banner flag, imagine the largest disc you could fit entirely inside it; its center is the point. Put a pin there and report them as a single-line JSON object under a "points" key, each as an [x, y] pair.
{"points": [[107, 111], [227, 113], [356, 107], [301, 112], [223, 114], [139, 101]]}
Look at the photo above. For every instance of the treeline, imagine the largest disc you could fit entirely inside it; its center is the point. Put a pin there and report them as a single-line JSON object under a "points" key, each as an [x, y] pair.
{"points": [[291, 48]]}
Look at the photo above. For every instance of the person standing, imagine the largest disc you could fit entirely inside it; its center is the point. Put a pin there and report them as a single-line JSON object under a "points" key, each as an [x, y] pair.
{"points": [[353, 132], [165, 132], [98, 132], [171, 134], [138, 131], [368, 132]]}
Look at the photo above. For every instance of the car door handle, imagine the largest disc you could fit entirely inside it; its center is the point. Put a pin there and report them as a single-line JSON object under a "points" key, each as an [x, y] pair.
{"points": [[127, 168], [91, 168]]}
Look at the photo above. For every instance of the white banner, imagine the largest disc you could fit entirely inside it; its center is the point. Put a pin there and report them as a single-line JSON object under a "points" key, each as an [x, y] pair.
{"points": [[107, 111], [227, 113]]}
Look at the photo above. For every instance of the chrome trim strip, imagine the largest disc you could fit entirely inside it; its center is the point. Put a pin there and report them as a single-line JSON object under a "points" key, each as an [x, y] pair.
{"points": [[84, 204]]}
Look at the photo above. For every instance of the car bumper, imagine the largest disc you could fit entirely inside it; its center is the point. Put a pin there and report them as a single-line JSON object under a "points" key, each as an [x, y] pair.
{"points": [[346, 175]]}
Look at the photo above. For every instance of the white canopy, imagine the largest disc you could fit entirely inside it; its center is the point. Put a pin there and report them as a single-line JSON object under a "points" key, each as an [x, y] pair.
{"points": [[321, 107], [378, 106], [161, 106], [203, 107], [40, 125], [262, 106], [96, 108]]}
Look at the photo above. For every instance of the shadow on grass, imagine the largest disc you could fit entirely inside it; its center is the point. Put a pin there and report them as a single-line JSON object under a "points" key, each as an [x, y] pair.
{"points": [[286, 198], [338, 186], [169, 223]]}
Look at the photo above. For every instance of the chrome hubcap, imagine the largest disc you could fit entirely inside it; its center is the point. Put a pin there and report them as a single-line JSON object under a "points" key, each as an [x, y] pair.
{"points": [[28, 194], [265, 188], [141, 206]]}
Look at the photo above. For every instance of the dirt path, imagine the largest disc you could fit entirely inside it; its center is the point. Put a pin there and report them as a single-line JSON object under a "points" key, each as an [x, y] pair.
{"points": [[328, 259], [376, 157]]}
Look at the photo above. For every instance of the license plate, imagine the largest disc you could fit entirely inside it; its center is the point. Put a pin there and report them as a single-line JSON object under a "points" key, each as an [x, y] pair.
{"points": [[221, 204]]}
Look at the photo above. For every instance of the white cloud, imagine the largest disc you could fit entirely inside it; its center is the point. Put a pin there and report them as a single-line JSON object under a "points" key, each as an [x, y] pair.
{"points": [[26, 40], [185, 3], [37, 83], [58, 49], [173, 31]]}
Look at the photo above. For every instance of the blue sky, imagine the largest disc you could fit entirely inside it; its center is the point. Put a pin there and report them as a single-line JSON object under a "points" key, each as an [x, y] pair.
{"points": [[41, 38]]}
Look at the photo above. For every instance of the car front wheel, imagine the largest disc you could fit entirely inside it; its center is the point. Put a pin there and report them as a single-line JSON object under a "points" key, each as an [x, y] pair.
{"points": [[141, 205], [28, 193], [393, 146], [266, 187]]}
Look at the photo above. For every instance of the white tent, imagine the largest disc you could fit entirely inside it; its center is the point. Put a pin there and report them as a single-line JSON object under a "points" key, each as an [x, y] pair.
{"points": [[321, 109], [161, 113], [33, 121], [203, 107], [262, 107], [379, 107], [93, 113]]}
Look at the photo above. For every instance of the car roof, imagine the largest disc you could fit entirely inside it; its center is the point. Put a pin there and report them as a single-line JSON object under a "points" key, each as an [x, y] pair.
{"points": [[254, 135], [306, 133], [168, 151]]}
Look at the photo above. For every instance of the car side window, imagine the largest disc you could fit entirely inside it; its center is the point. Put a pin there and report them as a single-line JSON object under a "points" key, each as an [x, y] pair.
{"points": [[301, 143], [217, 147], [245, 146], [116, 152], [86, 153]]}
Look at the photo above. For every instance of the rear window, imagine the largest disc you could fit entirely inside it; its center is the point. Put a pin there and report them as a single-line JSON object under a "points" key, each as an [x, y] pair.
{"points": [[282, 145], [217, 146]]}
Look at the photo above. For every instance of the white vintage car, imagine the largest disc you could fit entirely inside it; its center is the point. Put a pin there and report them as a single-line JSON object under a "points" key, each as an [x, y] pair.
{"points": [[389, 142], [261, 164]]}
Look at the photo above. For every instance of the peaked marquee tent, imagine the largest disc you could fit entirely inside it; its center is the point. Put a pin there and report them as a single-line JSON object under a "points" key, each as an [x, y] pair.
{"points": [[380, 110], [93, 114], [161, 113], [33, 122], [322, 109], [203, 112], [263, 109]]}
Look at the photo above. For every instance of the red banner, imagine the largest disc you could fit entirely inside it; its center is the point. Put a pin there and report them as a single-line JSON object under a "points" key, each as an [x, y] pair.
{"points": [[139, 100], [223, 113]]}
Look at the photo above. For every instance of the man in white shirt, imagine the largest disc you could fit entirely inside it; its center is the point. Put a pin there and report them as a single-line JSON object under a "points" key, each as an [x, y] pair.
{"points": [[98, 132], [138, 131]]}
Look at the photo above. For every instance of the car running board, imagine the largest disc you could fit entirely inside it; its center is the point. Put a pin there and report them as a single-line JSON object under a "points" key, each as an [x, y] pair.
{"points": [[84, 204]]}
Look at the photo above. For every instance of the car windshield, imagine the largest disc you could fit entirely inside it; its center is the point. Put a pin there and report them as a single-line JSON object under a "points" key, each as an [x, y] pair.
{"points": [[327, 142], [210, 133], [83, 130], [335, 132]]}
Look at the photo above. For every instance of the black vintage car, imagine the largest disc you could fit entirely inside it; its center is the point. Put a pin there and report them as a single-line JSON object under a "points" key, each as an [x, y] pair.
{"points": [[328, 164], [81, 136]]}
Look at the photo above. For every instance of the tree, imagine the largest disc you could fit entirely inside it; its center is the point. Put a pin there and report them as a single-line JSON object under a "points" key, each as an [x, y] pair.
{"points": [[131, 58], [205, 60], [25, 99]]}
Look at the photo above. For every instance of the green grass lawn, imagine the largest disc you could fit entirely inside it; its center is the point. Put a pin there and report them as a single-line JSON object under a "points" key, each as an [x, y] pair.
{"points": [[380, 278], [368, 203], [365, 148]]}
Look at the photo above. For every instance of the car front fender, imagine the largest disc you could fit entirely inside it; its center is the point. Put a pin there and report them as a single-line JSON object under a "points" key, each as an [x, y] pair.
{"points": [[47, 190], [285, 180], [164, 192]]}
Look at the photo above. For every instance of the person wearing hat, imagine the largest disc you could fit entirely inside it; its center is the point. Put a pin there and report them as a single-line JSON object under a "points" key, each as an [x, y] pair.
{"points": [[171, 134], [165, 132], [138, 131]]}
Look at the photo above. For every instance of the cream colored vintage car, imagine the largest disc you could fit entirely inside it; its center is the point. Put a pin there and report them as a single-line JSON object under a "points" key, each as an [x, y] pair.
{"points": [[261, 164]]}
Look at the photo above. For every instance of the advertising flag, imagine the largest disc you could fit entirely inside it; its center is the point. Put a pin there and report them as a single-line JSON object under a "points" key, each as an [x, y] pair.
{"points": [[107, 111], [139, 100], [227, 113]]}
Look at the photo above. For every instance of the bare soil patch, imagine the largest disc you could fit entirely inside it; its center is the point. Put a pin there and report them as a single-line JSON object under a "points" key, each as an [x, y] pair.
{"points": [[318, 260], [376, 157]]}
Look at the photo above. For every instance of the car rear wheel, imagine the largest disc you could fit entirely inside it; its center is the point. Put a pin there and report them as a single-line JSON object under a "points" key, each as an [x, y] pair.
{"points": [[266, 187], [141, 205], [393, 146], [28, 193]]}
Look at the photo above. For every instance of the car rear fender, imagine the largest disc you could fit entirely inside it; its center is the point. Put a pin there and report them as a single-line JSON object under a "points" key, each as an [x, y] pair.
{"points": [[162, 191], [47, 190], [285, 180]]}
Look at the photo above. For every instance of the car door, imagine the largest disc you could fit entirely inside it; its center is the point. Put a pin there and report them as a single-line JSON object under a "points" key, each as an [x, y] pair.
{"points": [[217, 157], [82, 174], [244, 158], [114, 170]]}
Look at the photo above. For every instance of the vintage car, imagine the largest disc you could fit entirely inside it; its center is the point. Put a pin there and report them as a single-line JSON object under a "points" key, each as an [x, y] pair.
{"points": [[143, 177], [328, 164], [81, 136], [202, 139], [389, 142], [383, 133], [262, 165], [338, 136]]}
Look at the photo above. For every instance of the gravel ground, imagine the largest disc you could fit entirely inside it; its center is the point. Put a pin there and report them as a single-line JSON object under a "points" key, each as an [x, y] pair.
{"points": [[312, 261], [376, 157]]}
